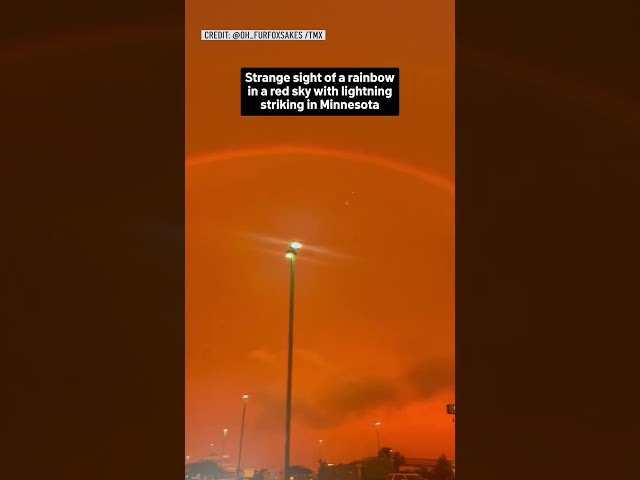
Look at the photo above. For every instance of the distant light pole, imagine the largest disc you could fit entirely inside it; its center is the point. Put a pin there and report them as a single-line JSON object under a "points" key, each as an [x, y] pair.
{"points": [[377, 425], [244, 410], [224, 440], [294, 247], [320, 448]]}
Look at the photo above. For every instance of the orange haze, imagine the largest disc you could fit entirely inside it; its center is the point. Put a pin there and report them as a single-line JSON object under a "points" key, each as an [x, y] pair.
{"points": [[371, 199]]}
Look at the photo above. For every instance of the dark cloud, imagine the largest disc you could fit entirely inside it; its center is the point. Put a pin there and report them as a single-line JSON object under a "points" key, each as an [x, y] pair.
{"points": [[334, 402], [315, 415], [329, 407], [353, 396], [428, 376]]}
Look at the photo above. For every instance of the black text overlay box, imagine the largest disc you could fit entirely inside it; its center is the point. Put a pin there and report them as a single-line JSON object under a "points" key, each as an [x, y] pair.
{"points": [[320, 91]]}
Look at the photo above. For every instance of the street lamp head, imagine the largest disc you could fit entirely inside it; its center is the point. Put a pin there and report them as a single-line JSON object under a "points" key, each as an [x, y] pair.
{"points": [[320, 441], [377, 424], [295, 245], [290, 254], [245, 397], [224, 431]]}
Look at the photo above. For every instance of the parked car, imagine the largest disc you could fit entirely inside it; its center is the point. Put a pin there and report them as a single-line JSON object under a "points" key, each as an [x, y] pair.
{"points": [[404, 476]]}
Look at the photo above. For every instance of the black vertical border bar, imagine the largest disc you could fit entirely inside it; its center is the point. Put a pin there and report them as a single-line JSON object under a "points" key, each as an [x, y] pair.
{"points": [[547, 243], [93, 231]]}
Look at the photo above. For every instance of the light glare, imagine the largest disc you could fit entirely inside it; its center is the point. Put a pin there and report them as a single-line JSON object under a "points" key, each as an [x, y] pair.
{"points": [[296, 245]]}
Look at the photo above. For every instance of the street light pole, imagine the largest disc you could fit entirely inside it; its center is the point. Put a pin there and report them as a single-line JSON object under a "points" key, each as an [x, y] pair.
{"points": [[377, 424], [224, 441], [244, 410], [320, 448], [291, 255]]}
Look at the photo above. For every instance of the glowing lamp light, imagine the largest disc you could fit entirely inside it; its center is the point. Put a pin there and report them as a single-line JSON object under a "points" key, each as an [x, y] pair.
{"points": [[289, 255], [295, 245], [245, 397]]}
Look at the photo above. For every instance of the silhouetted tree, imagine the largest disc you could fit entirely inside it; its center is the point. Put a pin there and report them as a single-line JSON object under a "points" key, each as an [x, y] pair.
{"points": [[396, 458], [377, 468], [398, 461], [442, 470], [384, 452], [206, 468], [326, 472], [259, 474], [300, 472]]}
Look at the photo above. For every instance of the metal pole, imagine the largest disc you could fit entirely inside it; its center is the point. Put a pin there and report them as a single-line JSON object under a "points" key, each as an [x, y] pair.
{"points": [[244, 409], [287, 441], [378, 437], [224, 442]]}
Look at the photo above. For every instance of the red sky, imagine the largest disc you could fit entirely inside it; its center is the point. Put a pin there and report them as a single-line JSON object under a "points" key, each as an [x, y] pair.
{"points": [[374, 338]]}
